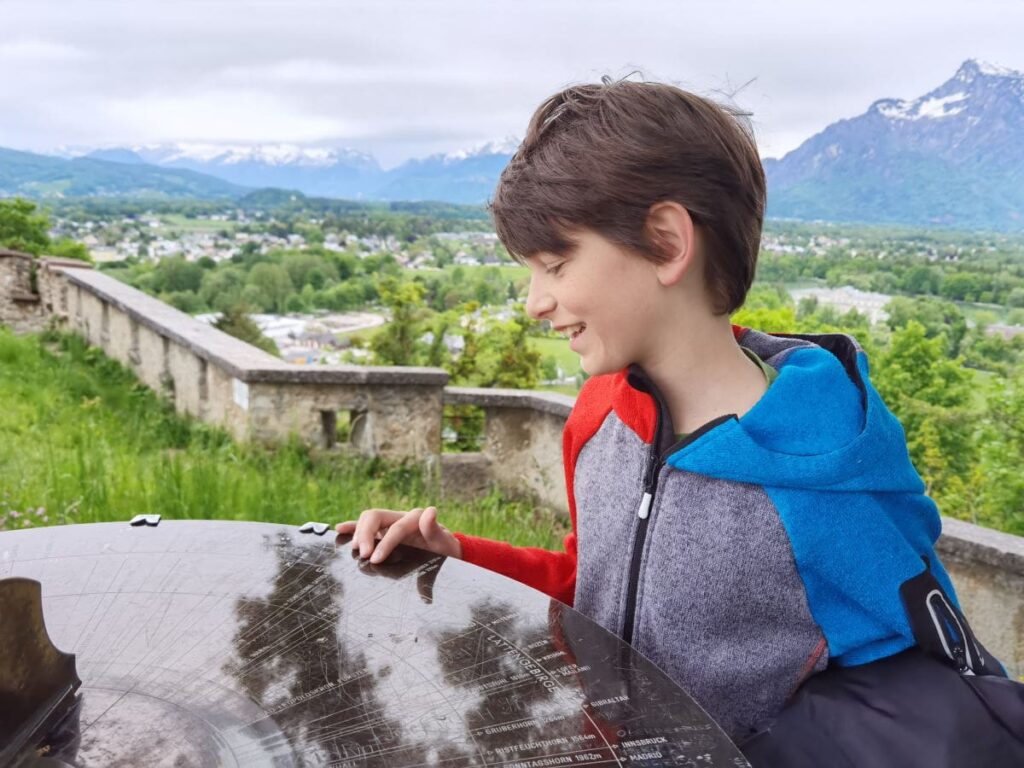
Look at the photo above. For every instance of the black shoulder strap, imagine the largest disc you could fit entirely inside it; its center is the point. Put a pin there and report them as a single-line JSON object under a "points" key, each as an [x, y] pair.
{"points": [[941, 629]]}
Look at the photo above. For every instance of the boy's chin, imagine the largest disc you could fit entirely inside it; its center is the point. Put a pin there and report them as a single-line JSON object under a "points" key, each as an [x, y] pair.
{"points": [[596, 368]]}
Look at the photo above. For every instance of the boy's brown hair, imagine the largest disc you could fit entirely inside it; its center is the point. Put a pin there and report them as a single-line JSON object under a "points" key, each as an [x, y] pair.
{"points": [[599, 156]]}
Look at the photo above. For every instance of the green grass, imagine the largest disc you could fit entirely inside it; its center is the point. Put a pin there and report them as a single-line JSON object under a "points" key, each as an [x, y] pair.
{"points": [[562, 389], [82, 441], [366, 334], [557, 348], [514, 272]]}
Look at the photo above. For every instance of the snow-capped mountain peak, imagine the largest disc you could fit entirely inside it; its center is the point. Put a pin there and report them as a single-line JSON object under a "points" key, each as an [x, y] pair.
{"points": [[263, 154], [951, 156], [974, 81], [972, 68], [922, 108], [505, 146]]}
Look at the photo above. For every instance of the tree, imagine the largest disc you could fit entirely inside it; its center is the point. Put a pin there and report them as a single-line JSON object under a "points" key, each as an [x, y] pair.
{"points": [[222, 287], [1002, 493], [437, 353], [235, 321], [22, 229], [295, 304], [1015, 298], [186, 301], [398, 342], [921, 280], [960, 287], [931, 395], [309, 269], [175, 274], [781, 320], [939, 318], [273, 284], [66, 248], [500, 355]]}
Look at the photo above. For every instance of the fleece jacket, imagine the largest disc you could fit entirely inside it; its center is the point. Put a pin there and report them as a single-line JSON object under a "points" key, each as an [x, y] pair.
{"points": [[752, 553]]}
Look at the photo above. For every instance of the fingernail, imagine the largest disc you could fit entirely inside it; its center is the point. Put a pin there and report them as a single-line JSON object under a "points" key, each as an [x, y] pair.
{"points": [[364, 550]]}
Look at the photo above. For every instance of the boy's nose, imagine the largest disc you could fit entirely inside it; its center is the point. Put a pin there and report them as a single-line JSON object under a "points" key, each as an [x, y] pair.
{"points": [[538, 301]]}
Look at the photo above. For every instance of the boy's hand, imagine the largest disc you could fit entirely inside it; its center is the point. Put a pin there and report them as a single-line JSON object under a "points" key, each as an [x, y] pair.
{"points": [[417, 528]]}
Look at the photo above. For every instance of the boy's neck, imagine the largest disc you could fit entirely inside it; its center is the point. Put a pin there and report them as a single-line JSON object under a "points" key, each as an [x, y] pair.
{"points": [[703, 373]]}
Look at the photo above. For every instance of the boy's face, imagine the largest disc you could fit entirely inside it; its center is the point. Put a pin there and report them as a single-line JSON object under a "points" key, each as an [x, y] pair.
{"points": [[602, 297]]}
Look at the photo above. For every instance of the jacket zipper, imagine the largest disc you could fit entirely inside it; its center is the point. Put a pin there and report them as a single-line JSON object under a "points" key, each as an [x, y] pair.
{"points": [[655, 461], [643, 518]]}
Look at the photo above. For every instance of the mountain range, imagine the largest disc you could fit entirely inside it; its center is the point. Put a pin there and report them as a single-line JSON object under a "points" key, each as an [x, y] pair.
{"points": [[45, 176], [952, 157]]}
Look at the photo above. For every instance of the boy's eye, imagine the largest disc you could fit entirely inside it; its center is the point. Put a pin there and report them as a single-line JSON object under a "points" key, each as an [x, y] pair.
{"points": [[554, 269]]}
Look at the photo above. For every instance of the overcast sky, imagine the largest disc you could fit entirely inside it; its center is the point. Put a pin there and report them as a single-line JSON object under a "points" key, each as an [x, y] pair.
{"points": [[402, 78]]}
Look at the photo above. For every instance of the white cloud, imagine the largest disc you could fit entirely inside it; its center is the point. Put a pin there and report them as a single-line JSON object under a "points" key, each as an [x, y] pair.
{"points": [[35, 51], [237, 115], [293, 71], [407, 77]]}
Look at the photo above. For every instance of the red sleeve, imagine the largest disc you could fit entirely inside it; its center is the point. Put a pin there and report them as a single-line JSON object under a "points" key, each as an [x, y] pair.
{"points": [[553, 573]]}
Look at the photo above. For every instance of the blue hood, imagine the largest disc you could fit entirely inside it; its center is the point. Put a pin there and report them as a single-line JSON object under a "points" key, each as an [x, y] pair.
{"points": [[834, 461], [821, 425]]}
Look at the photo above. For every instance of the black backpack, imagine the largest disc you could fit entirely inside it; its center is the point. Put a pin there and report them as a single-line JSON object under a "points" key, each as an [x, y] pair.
{"points": [[945, 703]]}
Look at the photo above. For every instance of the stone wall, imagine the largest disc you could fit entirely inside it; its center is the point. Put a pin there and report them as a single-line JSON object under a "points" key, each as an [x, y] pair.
{"points": [[20, 305], [396, 413], [522, 448], [988, 569]]}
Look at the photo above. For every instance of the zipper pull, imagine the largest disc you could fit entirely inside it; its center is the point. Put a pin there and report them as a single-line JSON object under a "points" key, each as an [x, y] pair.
{"points": [[960, 659], [645, 506]]}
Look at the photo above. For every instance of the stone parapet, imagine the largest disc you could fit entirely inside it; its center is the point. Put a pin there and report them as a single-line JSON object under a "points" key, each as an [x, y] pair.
{"points": [[522, 439], [988, 569], [394, 412], [20, 304]]}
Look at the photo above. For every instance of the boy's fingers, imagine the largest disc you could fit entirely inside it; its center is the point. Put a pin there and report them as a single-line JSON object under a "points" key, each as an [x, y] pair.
{"points": [[438, 538], [394, 536], [429, 528], [346, 527], [370, 521]]}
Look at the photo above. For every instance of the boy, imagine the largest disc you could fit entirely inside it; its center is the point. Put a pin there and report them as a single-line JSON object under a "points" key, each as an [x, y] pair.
{"points": [[744, 511]]}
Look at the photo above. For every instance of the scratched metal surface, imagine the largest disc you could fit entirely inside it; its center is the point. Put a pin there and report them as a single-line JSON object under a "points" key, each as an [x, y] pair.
{"points": [[206, 643]]}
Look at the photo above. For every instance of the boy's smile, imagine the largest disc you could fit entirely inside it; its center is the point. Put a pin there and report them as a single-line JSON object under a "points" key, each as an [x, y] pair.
{"points": [[599, 296], [572, 332]]}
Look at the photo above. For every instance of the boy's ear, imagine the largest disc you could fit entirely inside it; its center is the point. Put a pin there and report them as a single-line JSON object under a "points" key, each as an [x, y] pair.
{"points": [[671, 234]]}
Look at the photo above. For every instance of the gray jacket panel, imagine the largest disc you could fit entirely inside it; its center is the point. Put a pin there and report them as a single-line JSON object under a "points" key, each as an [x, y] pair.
{"points": [[607, 498], [720, 606]]}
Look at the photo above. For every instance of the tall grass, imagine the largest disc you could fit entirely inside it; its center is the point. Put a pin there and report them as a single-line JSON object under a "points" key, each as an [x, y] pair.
{"points": [[81, 440]]}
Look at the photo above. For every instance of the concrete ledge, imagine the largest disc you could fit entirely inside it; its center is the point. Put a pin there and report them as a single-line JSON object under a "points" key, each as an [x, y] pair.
{"points": [[347, 374], [241, 360], [972, 543], [987, 568], [9, 254], [203, 340], [60, 261], [544, 402]]}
